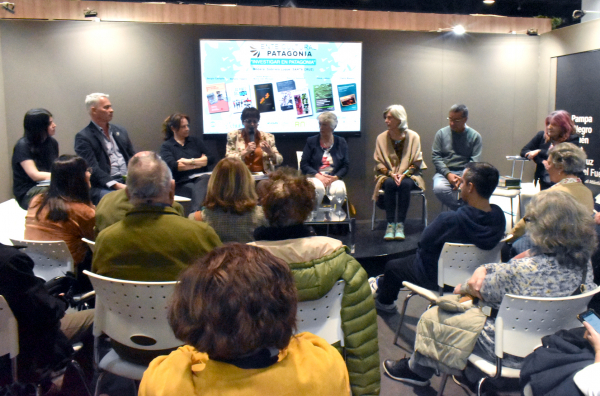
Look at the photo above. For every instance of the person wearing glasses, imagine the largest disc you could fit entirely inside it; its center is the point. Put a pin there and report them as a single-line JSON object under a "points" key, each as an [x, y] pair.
{"points": [[255, 148], [453, 147]]}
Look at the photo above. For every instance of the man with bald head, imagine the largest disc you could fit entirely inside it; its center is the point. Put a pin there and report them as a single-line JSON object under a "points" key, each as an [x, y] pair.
{"points": [[153, 242], [106, 147]]}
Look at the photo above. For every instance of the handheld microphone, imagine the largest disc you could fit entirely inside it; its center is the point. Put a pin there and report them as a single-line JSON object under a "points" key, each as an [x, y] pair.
{"points": [[251, 134]]}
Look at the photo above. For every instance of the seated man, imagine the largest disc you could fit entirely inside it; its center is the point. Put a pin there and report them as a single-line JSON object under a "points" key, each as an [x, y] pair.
{"points": [[153, 242], [114, 205], [45, 332], [453, 147], [478, 222]]}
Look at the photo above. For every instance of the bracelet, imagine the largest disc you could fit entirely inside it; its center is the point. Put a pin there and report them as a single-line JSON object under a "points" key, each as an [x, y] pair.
{"points": [[193, 161]]}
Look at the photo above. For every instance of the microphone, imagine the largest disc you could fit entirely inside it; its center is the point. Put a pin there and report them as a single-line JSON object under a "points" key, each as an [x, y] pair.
{"points": [[251, 133]]}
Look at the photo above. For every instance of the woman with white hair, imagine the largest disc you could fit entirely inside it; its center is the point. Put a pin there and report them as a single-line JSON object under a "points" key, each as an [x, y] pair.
{"points": [[325, 159], [398, 171]]}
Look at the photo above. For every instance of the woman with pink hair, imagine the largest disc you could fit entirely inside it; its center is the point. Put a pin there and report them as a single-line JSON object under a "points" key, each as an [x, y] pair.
{"points": [[559, 128]]}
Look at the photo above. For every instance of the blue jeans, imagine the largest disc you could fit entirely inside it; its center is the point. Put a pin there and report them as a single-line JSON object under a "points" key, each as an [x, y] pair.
{"points": [[443, 190]]}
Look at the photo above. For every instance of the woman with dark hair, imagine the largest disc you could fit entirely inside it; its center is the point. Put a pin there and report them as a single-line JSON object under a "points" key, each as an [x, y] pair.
{"points": [[559, 128], [33, 155], [186, 156], [255, 148], [65, 212], [231, 204], [236, 311], [317, 263]]}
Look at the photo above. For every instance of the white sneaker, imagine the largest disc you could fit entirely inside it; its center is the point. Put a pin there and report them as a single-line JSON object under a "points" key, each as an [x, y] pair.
{"points": [[389, 232], [373, 284], [388, 308], [399, 234]]}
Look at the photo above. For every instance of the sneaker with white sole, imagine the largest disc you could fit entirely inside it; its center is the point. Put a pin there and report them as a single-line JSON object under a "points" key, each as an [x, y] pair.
{"points": [[387, 308], [390, 232], [400, 371], [399, 234], [373, 284]]}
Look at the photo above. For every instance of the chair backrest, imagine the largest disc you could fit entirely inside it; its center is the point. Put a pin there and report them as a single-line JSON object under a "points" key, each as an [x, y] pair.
{"points": [[299, 156], [322, 317], [523, 321], [91, 244], [458, 261], [9, 334], [51, 258], [133, 313]]}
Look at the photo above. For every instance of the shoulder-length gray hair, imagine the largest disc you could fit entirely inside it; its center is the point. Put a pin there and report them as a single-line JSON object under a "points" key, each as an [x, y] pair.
{"points": [[568, 157], [561, 226], [398, 112]]}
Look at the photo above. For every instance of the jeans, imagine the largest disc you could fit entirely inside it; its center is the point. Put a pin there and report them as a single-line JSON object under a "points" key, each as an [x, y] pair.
{"points": [[443, 190]]}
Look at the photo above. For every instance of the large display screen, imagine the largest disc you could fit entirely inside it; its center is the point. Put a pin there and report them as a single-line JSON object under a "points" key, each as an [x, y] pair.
{"points": [[289, 82]]}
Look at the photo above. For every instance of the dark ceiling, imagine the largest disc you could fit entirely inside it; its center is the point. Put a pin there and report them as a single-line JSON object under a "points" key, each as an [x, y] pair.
{"points": [[516, 8]]}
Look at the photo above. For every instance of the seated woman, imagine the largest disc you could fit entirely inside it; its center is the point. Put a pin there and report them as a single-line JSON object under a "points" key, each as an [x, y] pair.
{"points": [[325, 159], [564, 165], [231, 206], [562, 231], [256, 149], [236, 311], [186, 156], [559, 128], [317, 263], [398, 171], [65, 212], [33, 155]]}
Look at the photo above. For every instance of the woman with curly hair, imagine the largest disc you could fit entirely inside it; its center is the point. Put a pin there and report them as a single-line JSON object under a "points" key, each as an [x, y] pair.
{"points": [[186, 156], [317, 263], [236, 311], [559, 128], [231, 206]]}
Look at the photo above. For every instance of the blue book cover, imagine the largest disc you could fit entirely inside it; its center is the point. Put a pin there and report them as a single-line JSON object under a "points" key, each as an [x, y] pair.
{"points": [[347, 94]]}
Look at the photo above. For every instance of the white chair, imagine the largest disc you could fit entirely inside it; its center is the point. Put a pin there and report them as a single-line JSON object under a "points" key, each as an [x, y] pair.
{"points": [[9, 336], [91, 244], [51, 258], [133, 314], [520, 325], [457, 263], [322, 317], [299, 157], [420, 193]]}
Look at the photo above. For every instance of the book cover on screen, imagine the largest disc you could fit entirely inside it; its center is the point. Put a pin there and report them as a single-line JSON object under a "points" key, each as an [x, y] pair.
{"points": [[324, 98], [264, 97], [347, 93], [240, 97], [216, 96], [302, 103], [285, 94]]}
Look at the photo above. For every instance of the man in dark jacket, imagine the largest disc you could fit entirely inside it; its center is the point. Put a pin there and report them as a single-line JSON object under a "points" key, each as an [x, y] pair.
{"points": [[478, 222], [45, 332], [105, 147]]}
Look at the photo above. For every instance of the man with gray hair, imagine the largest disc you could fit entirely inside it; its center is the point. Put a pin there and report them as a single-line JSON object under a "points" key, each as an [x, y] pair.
{"points": [[453, 148], [153, 242], [106, 147]]}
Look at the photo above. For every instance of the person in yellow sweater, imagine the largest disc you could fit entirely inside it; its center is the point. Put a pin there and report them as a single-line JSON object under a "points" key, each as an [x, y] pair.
{"points": [[236, 311], [565, 163]]}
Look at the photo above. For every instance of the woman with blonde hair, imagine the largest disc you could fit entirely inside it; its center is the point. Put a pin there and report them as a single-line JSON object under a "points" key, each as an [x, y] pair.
{"points": [[231, 204]]}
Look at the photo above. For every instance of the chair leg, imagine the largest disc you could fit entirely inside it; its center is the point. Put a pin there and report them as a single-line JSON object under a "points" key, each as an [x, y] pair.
{"points": [[81, 375], [396, 209], [100, 376], [402, 316], [480, 385], [424, 211], [443, 384], [373, 217]]}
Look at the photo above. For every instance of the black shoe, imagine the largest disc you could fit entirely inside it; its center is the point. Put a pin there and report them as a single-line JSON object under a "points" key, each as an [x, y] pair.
{"points": [[399, 371]]}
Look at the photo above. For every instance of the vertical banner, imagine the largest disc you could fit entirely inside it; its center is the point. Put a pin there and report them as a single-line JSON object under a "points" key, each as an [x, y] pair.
{"points": [[578, 92]]}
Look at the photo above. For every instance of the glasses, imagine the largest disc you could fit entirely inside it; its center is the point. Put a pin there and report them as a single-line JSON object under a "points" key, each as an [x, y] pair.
{"points": [[455, 120], [527, 219], [251, 122]]}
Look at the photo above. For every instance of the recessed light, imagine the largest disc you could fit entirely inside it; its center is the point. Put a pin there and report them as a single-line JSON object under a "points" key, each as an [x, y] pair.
{"points": [[489, 2], [459, 29]]}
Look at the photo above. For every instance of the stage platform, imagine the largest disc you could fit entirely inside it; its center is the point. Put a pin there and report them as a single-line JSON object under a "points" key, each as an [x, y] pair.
{"points": [[370, 248]]}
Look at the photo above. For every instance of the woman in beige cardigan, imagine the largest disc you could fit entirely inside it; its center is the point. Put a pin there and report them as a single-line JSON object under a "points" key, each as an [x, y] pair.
{"points": [[398, 170]]}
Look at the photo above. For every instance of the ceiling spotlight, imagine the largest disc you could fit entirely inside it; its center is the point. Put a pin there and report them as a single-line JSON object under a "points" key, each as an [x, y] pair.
{"points": [[90, 13], [488, 2], [581, 13], [8, 6], [459, 29]]}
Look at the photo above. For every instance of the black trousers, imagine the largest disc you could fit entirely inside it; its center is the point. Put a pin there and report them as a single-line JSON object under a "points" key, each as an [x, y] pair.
{"points": [[404, 269], [195, 189], [390, 188]]}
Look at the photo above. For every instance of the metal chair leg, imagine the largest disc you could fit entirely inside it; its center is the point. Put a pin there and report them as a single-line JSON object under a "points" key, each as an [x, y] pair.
{"points": [[373, 217], [480, 385], [402, 316], [443, 384]]}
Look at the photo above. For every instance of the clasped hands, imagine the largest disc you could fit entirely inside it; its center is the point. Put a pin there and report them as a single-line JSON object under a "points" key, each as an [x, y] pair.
{"points": [[326, 179]]}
